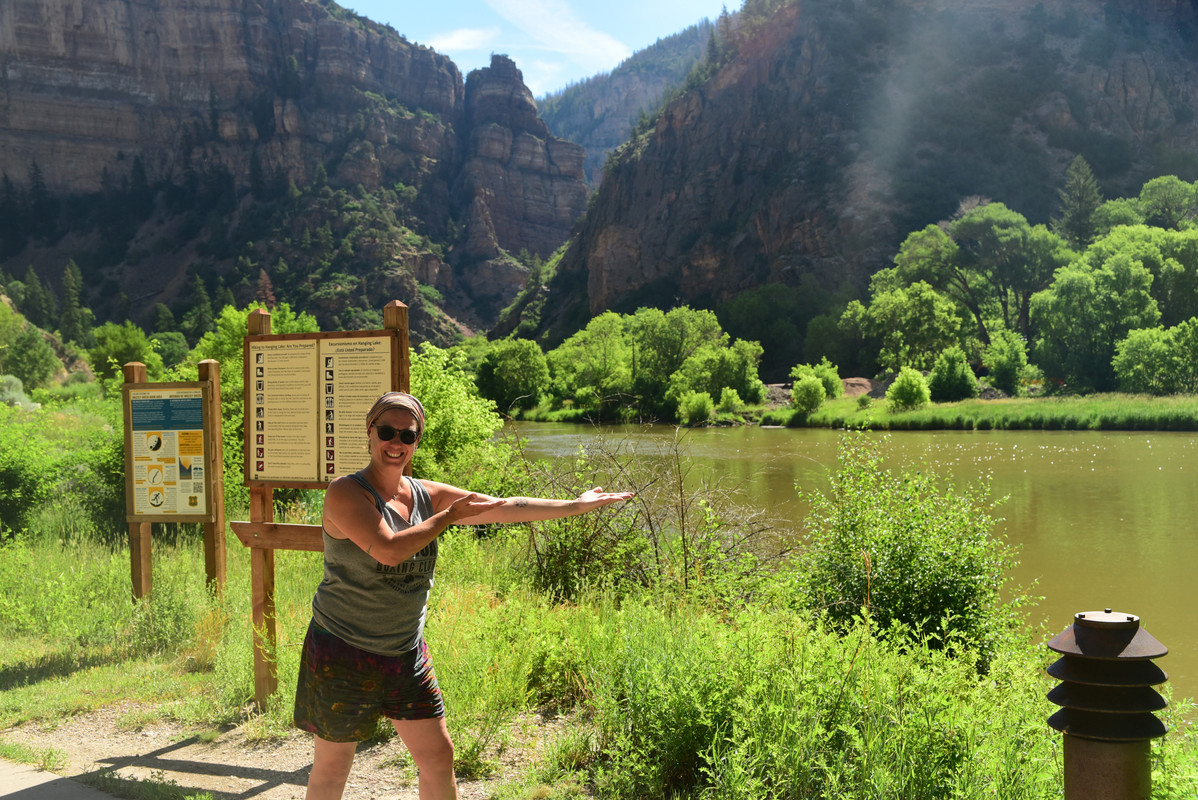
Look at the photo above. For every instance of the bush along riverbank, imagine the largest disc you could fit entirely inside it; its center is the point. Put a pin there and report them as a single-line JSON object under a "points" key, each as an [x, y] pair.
{"points": [[686, 649], [1110, 411]]}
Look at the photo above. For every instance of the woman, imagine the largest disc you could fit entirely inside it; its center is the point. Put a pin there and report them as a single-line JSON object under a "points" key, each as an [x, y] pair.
{"points": [[364, 655]]}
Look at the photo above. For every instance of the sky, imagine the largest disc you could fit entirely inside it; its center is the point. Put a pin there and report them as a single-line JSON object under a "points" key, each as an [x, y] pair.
{"points": [[553, 42]]}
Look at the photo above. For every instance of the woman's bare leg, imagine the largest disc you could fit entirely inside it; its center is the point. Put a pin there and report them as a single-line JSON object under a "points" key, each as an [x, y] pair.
{"points": [[431, 748], [331, 762]]}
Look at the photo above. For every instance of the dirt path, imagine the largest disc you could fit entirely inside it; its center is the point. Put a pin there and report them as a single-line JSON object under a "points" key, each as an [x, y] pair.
{"points": [[231, 767]]}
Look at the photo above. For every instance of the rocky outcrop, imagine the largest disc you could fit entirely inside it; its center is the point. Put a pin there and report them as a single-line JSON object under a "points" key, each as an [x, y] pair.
{"points": [[519, 187], [88, 88], [811, 153], [84, 86]]}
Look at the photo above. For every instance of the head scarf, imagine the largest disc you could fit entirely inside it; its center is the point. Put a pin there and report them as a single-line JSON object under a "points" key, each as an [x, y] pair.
{"points": [[398, 400]]}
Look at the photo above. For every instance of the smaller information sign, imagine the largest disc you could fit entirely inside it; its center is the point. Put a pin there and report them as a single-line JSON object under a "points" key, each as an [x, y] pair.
{"points": [[166, 429]]}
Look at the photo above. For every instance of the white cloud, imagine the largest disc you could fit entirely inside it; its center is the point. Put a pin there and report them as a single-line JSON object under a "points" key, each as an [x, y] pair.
{"points": [[556, 29], [465, 39]]}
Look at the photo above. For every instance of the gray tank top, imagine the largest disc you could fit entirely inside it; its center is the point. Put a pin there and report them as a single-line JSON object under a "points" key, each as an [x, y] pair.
{"points": [[373, 606]]}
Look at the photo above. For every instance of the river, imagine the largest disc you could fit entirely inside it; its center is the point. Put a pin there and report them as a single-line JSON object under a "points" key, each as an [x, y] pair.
{"points": [[1101, 519]]}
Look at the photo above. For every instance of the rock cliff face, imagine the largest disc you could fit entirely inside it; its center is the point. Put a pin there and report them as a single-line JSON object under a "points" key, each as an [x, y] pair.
{"points": [[88, 87], [520, 187], [829, 136]]}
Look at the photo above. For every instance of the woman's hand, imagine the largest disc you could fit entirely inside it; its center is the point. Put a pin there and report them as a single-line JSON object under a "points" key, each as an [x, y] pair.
{"points": [[597, 498]]}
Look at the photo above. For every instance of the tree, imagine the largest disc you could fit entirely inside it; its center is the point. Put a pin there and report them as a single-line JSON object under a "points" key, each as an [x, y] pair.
{"points": [[661, 342], [1006, 358], [914, 324], [161, 319], [117, 345], [38, 303], [951, 378], [265, 291], [199, 320], [75, 321], [593, 368], [1170, 255], [460, 424], [713, 367], [1167, 201], [1113, 213], [989, 261], [42, 213], [825, 372], [1142, 362], [513, 373], [1013, 259], [171, 345], [13, 228], [1159, 360], [31, 359], [1080, 199], [1085, 312]]}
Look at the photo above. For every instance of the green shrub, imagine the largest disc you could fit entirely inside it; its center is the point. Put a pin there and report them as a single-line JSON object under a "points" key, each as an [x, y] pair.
{"points": [[12, 393], [909, 390], [694, 408], [808, 395], [951, 378], [1006, 358], [827, 373], [29, 467], [730, 402], [864, 401], [900, 549]]}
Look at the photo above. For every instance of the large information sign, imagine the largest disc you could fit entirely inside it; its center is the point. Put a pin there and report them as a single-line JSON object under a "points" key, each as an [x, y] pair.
{"points": [[306, 401], [166, 455]]}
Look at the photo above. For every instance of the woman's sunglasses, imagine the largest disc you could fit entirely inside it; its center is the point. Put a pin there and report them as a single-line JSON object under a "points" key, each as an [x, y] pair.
{"points": [[387, 433]]}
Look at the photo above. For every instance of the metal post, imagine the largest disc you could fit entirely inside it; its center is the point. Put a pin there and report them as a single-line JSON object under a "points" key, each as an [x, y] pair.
{"points": [[1106, 675]]}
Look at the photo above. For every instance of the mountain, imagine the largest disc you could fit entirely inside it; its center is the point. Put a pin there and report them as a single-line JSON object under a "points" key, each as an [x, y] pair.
{"points": [[289, 143], [600, 112], [825, 131]]}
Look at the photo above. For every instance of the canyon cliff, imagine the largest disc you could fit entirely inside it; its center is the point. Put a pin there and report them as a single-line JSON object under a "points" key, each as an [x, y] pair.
{"points": [[827, 131], [96, 94]]}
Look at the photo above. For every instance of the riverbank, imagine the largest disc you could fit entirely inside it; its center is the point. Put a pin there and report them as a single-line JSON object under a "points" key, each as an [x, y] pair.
{"points": [[1097, 412]]}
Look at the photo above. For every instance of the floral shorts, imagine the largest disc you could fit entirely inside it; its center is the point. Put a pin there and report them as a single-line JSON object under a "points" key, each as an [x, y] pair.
{"points": [[343, 690]]}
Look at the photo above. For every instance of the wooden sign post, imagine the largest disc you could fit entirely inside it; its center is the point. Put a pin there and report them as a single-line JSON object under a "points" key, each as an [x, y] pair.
{"points": [[306, 398], [173, 466]]}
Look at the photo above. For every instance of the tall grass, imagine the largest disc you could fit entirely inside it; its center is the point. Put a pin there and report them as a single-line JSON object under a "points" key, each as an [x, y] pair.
{"points": [[706, 677], [1090, 412]]}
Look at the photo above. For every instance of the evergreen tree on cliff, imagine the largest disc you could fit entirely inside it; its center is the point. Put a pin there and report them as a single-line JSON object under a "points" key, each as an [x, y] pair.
{"points": [[1080, 198]]}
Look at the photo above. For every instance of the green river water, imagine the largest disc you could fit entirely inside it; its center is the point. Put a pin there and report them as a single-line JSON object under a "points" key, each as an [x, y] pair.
{"points": [[1101, 519]]}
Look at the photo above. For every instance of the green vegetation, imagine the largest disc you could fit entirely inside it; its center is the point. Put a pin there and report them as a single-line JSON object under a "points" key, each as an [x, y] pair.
{"points": [[1107, 412], [651, 365], [688, 656], [909, 391]]}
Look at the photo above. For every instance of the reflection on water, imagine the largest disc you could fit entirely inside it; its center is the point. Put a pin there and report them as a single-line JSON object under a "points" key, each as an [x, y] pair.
{"points": [[1102, 519]]}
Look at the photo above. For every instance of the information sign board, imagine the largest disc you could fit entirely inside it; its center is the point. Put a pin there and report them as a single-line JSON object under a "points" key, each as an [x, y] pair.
{"points": [[166, 453], [306, 403]]}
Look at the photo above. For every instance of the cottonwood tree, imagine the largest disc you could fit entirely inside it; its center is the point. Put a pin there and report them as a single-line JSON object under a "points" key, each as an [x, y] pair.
{"points": [[1085, 313]]}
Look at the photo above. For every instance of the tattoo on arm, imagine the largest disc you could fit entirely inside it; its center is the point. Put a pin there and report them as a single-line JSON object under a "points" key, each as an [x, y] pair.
{"points": [[520, 502]]}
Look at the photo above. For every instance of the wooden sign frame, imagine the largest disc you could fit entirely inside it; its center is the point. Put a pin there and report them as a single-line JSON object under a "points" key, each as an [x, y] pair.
{"points": [[261, 534], [211, 462]]}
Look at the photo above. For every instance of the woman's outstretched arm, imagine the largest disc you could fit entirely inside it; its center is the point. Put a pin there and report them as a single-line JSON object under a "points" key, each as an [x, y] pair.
{"points": [[524, 509]]}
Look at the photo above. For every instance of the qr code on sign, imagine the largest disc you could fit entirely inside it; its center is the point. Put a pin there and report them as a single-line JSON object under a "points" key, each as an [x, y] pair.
{"points": [[197, 488]]}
